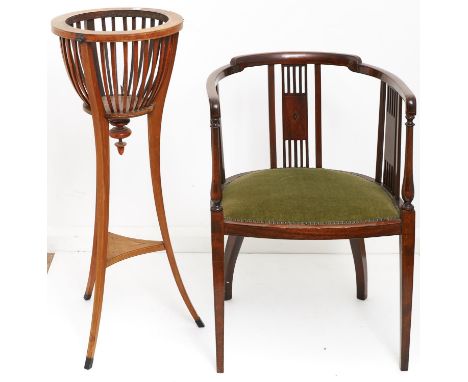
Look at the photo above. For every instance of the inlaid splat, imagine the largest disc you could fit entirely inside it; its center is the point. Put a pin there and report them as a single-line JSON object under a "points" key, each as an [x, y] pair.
{"points": [[295, 116]]}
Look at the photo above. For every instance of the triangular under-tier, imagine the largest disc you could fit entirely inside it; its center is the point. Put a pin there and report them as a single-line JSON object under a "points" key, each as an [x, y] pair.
{"points": [[122, 247]]}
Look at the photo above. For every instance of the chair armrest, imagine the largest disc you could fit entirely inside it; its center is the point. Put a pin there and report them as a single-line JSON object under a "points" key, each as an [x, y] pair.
{"points": [[217, 162], [392, 80], [212, 87], [407, 189]]}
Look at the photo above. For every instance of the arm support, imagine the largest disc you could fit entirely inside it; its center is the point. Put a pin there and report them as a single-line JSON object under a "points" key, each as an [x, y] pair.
{"points": [[390, 79], [407, 189], [217, 164]]}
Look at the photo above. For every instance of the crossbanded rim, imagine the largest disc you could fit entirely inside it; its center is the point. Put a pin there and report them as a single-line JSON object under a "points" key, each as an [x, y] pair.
{"points": [[63, 25]]}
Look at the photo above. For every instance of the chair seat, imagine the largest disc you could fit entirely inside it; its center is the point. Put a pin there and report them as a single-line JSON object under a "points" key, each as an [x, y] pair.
{"points": [[306, 196]]}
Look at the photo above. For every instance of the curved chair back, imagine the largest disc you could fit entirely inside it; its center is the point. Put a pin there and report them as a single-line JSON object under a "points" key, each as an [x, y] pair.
{"points": [[295, 113]]}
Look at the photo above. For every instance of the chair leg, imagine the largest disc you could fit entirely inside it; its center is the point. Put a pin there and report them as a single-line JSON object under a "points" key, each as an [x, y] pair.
{"points": [[154, 135], [360, 264], [217, 245], [233, 247], [406, 283]]}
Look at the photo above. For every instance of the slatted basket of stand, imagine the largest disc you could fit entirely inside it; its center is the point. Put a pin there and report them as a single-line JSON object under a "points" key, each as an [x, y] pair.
{"points": [[120, 63]]}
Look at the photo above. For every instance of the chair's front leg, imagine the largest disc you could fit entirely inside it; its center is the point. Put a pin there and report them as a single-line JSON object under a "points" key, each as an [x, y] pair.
{"points": [[217, 245], [406, 280]]}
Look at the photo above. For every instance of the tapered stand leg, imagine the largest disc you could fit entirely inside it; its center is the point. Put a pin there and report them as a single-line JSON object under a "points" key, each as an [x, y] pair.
{"points": [[101, 225], [154, 138], [217, 245], [92, 266], [406, 280], [360, 264], [98, 261], [233, 246]]}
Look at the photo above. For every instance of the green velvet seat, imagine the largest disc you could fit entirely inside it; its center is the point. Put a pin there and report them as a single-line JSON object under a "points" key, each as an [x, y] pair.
{"points": [[306, 196]]}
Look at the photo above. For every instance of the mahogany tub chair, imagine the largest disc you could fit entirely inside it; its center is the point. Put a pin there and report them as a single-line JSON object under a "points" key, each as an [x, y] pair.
{"points": [[294, 200]]}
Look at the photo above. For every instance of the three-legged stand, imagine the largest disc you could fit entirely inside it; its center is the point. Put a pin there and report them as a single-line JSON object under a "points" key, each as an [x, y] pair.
{"points": [[109, 248]]}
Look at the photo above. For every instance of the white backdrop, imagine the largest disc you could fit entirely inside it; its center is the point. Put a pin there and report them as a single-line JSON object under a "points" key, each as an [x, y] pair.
{"points": [[382, 33]]}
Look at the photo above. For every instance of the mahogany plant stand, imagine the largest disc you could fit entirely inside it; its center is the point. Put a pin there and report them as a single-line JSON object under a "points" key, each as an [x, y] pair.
{"points": [[120, 63], [239, 211]]}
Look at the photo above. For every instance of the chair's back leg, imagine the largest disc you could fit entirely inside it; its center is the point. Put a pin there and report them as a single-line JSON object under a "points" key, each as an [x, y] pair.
{"points": [[406, 279], [360, 264], [233, 247]]}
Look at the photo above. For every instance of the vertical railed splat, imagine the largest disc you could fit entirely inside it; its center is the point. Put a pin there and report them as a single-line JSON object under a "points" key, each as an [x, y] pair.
{"points": [[392, 152], [295, 116]]}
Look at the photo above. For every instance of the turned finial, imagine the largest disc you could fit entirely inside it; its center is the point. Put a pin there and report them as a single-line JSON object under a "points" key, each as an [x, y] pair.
{"points": [[120, 131], [408, 185]]}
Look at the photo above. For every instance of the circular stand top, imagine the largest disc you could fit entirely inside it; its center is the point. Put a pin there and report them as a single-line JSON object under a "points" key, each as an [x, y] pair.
{"points": [[69, 25]]}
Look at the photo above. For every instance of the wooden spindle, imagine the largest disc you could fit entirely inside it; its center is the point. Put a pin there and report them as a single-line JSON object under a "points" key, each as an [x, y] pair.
{"points": [[69, 67], [301, 73], [125, 69], [145, 52], [318, 117], [294, 70], [154, 62], [78, 70], [130, 81], [104, 72], [135, 72], [167, 54], [380, 133], [105, 49], [114, 72], [272, 114], [89, 25], [72, 69]]}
